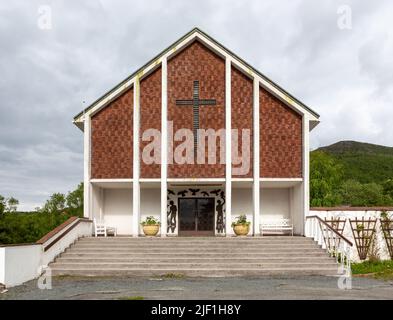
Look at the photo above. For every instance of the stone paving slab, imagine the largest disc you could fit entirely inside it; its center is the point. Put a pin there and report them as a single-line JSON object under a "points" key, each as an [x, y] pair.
{"points": [[311, 287]]}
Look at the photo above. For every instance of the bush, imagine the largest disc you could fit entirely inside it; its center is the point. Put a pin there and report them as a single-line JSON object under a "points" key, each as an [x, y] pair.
{"points": [[28, 227]]}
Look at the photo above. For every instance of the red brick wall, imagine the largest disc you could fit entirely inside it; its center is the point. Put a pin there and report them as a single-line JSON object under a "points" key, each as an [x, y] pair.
{"points": [[242, 100], [111, 139], [280, 139], [197, 62], [150, 117]]}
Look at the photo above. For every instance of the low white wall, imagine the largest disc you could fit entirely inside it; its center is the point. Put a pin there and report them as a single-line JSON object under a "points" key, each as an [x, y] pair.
{"points": [[2, 265], [82, 229], [21, 263], [118, 210], [350, 214]]}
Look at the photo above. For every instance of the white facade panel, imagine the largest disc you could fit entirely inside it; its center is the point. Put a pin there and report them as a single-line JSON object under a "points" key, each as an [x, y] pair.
{"points": [[118, 210], [274, 204]]}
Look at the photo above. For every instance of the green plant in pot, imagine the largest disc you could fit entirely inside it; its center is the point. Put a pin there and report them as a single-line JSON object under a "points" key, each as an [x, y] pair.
{"points": [[150, 226], [241, 226]]}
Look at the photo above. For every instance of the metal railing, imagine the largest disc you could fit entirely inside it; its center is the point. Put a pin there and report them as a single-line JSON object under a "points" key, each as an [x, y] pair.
{"points": [[330, 239]]}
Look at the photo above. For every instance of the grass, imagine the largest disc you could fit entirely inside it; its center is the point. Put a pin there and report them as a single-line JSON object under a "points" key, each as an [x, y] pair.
{"points": [[132, 298], [377, 269], [173, 276]]}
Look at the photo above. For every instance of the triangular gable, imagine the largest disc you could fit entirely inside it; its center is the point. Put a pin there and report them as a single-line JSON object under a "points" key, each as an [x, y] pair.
{"points": [[172, 50]]}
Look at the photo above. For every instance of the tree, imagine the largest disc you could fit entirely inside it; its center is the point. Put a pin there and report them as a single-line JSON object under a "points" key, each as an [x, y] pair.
{"points": [[8, 205], [56, 203], [12, 204], [388, 188], [351, 192], [2, 204], [325, 177], [369, 194], [74, 200]]}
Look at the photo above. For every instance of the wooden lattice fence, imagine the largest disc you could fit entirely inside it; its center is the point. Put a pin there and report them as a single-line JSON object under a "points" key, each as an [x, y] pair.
{"points": [[387, 230], [363, 231]]}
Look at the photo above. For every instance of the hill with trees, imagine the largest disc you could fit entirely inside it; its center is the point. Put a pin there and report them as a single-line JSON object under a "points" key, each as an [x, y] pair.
{"points": [[351, 173], [364, 162]]}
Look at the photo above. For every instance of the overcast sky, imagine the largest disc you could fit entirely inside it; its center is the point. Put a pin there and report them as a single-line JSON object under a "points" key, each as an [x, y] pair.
{"points": [[346, 75]]}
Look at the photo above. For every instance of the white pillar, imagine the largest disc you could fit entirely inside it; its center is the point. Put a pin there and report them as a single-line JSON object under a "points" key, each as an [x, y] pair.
{"points": [[306, 169], [228, 149], [87, 168], [101, 202], [256, 156], [164, 146], [135, 181]]}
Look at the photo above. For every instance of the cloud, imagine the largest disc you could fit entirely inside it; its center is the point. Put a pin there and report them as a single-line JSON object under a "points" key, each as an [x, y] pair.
{"points": [[345, 75]]}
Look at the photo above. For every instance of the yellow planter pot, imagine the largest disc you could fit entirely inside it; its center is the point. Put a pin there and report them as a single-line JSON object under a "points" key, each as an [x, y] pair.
{"points": [[151, 229], [241, 229]]}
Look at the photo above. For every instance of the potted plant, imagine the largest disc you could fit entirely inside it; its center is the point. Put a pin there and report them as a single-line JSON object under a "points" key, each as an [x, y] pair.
{"points": [[241, 226], [150, 226]]}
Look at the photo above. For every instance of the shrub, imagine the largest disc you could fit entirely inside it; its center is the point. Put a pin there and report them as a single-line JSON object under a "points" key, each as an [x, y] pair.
{"points": [[242, 219]]}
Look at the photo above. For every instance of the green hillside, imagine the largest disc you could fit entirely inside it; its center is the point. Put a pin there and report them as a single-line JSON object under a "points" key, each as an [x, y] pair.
{"points": [[364, 162], [351, 173]]}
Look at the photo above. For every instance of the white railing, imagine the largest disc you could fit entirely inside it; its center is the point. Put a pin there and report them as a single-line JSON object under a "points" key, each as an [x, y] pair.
{"points": [[328, 238]]}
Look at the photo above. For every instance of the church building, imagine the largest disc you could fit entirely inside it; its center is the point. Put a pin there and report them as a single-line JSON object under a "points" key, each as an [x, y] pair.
{"points": [[196, 137]]}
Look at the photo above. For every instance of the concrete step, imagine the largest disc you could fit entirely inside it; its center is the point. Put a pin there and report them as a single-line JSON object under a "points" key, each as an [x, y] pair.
{"points": [[200, 272], [192, 244], [169, 252], [186, 265], [195, 239], [194, 256], [162, 255], [192, 248], [202, 259]]}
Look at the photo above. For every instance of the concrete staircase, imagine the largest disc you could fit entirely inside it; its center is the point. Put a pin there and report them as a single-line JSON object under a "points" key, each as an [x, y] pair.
{"points": [[194, 256]]}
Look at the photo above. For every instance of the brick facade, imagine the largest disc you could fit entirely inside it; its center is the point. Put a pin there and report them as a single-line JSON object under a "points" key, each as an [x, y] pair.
{"points": [[112, 141], [280, 138], [242, 112], [196, 62], [280, 126], [150, 117]]}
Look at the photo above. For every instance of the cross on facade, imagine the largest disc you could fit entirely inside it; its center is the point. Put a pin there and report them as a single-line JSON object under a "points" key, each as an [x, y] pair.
{"points": [[195, 102]]}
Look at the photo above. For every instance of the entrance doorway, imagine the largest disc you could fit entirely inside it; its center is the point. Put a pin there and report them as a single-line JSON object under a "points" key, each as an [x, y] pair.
{"points": [[196, 216]]}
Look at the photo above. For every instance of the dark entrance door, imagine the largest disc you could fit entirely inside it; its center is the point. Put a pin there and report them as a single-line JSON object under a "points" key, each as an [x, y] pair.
{"points": [[196, 216]]}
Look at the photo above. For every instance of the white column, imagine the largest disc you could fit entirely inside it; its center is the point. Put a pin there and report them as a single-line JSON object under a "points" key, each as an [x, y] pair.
{"points": [[306, 169], [135, 184], [164, 146], [256, 156], [102, 194], [228, 149], [86, 168]]}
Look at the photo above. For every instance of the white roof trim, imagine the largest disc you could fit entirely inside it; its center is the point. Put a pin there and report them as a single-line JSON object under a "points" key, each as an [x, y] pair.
{"points": [[196, 34]]}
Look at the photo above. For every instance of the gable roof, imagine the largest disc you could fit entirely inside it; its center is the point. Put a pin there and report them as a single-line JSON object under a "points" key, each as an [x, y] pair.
{"points": [[289, 99]]}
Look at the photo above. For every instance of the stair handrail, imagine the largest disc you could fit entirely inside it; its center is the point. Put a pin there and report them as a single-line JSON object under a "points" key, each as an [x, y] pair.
{"points": [[330, 239]]}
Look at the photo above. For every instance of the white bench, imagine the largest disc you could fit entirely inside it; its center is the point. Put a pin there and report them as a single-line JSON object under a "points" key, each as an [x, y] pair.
{"points": [[276, 225]]}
